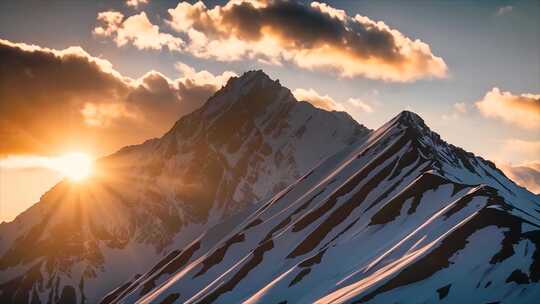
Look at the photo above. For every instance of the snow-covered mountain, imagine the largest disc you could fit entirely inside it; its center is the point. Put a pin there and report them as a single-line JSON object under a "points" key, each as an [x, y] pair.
{"points": [[259, 198], [401, 217], [248, 142]]}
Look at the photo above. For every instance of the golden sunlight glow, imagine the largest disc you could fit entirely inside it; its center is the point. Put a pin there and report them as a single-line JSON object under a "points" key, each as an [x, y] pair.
{"points": [[75, 166]]}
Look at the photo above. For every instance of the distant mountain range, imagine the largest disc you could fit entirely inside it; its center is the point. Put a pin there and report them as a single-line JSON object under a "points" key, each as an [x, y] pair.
{"points": [[259, 198]]}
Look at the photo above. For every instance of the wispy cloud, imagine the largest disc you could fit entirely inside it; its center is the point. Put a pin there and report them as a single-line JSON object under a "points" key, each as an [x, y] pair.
{"points": [[324, 102], [459, 109], [361, 105], [503, 10]]}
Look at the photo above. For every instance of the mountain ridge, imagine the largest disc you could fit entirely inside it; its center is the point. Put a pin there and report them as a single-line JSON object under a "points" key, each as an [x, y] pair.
{"points": [[80, 239], [414, 200], [256, 197]]}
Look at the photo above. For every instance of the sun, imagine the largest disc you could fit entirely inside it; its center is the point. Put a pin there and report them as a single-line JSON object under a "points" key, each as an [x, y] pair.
{"points": [[75, 166]]}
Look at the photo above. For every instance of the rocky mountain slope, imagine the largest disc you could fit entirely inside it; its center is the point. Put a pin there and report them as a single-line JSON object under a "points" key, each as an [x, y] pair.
{"points": [[402, 217], [247, 143]]}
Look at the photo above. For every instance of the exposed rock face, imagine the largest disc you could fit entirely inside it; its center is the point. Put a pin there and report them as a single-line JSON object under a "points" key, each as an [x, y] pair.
{"points": [[247, 143], [259, 198], [401, 217]]}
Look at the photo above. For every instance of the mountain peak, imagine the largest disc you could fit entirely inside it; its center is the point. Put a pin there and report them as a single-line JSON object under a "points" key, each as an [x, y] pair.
{"points": [[254, 92], [411, 121], [409, 118], [250, 77], [255, 74], [313, 236]]}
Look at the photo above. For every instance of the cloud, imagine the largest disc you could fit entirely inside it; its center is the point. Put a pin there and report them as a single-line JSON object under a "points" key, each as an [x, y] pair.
{"points": [[362, 105], [203, 77], [504, 10], [135, 3], [317, 36], [458, 109], [526, 174], [521, 110], [111, 21], [137, 30], [53, 101], [103, 115], [324, 102], [314, 37], [527, 149]]}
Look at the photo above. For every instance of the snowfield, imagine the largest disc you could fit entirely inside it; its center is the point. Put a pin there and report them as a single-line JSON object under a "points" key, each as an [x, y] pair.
{"points": [[259, 198]]}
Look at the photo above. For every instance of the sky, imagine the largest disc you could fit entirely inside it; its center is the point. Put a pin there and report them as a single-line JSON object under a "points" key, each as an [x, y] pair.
{"points": [[93, 76]]}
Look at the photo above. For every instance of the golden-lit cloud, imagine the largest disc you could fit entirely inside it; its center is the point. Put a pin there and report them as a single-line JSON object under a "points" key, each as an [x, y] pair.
{"points": [[324, 102], [314, 37], [361, 105], [202, 77], [137, 30], [54, 101], [135, 3], [458, 110], [460, 107], [520, 110], [527, 151], [72, 165], [526, 174], [111, 22], [103, 115]]}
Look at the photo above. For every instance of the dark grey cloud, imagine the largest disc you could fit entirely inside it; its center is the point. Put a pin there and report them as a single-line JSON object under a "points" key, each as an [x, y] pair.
{"points": [[315, 36], [306, 27], [57, 100]]}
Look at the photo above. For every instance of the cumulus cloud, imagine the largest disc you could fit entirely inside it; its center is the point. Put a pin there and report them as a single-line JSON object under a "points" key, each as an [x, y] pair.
{"points": [[137, 30], [315, 37], [136, 3], [111, 22], [520, 110], [504, 10], [203, 77], [324, 102], [56, 100], [526, 174]]}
